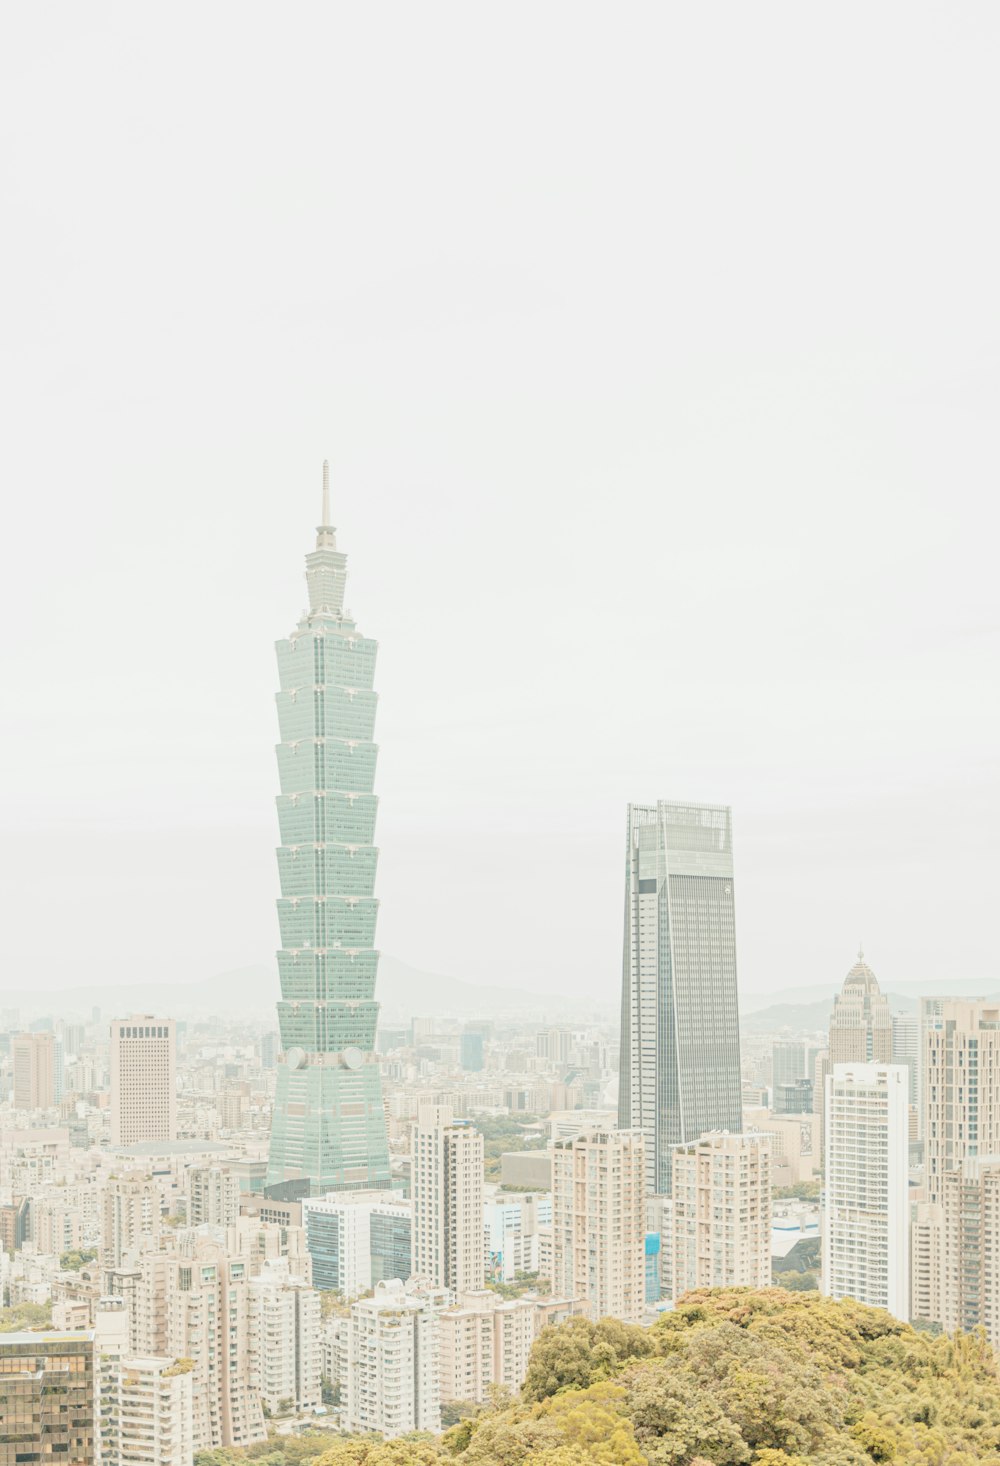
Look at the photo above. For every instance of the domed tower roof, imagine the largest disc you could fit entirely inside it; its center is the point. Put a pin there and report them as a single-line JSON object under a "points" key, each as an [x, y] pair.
{"points": [[861, 975]]}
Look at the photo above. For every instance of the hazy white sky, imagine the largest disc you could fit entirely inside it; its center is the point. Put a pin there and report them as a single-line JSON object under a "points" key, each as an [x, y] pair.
{"points": [[656, 352]]}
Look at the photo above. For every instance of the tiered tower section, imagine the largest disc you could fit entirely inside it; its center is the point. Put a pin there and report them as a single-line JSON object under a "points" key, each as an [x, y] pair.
{"points": [[328, 1127]]}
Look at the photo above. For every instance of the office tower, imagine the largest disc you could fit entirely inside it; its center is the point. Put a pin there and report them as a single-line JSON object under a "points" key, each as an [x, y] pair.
{"points": [[147, 1412], [47, 1398], [722, 1213], [599, 1221], [554, 1044], [860, 1025], [356, 1240], [906, 1050], [213, 1196], [143, 1080], [470, 1051], [285, 1363], [789, 1061], [392, 1361], [267, 1048], [447, 1191], [680, 1035], [131, 1219], [866, 1214], [328, 1128], [794, 1099], [194, 1303], [33, 1057]]}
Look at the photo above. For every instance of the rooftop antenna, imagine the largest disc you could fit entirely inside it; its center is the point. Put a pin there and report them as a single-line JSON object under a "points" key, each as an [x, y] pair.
{"points": [[326, 492]]}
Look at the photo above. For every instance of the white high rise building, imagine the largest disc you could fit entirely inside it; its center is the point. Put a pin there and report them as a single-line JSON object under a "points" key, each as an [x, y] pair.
{"points": [[392, 1360], [131, 1218], [147, 1412], [357, 1239], [866, 1214], [447, 1190], [722, 1213], [285, 1352], [213, 1196], [143, 1079], [599, 1222]]}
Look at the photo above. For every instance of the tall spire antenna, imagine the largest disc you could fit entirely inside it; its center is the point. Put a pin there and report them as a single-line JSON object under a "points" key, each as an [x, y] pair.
{"points": [[326, 492]]}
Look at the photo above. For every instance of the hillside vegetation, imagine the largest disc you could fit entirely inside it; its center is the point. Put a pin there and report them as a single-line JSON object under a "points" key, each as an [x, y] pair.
{"points": [[731, 1378]]}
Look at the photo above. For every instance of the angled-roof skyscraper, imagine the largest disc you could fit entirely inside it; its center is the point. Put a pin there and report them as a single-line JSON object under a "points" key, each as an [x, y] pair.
{"points": [[328, 1126], [679, 1074]]}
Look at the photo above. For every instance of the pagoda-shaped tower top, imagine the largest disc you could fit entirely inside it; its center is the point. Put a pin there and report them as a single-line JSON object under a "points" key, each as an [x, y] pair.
{"points": [[326, 566]]}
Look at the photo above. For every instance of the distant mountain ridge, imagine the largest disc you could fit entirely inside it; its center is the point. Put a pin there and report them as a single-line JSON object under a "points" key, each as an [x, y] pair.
{"points": [[403, 991]]}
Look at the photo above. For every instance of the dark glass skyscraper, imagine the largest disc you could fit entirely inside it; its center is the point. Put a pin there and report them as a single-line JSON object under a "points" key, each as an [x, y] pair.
{"points": [[680, 1034], [328, 1127]]}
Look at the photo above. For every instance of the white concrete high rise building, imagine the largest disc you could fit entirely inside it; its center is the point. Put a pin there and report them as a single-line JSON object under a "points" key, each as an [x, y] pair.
{"points": [[392, 1361], [147, 1412], [722, 1213], [599, 1221], [447, 1191], [357, 1239], [213, 1196], [143, 1079], [866, 1213], [285, 1351], [131, 1219]]}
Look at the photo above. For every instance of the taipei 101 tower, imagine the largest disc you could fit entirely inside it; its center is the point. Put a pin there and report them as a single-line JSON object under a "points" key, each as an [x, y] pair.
{"points": [[328, 1127]]}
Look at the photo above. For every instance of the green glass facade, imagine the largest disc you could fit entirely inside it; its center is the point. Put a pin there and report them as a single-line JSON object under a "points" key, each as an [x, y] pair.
{"points": [[328, 1126]]}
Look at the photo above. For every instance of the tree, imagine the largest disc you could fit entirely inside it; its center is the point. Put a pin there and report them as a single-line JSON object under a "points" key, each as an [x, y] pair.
{"points": [[578, 1353], [75, 1259], [21, 1316]]}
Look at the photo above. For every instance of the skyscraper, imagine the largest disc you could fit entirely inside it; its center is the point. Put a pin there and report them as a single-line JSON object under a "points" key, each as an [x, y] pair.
{"points": [[866, 1213], [328, 1127], [860, 1025], [143, 1079], [680, 1034]]}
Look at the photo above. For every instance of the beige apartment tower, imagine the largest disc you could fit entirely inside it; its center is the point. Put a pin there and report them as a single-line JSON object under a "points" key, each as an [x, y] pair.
{"points": [[194, 1303], [722, 1213], [33, 1056], [599, 1221], [447, 1190], [143, 1079], [956, 1270]]}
